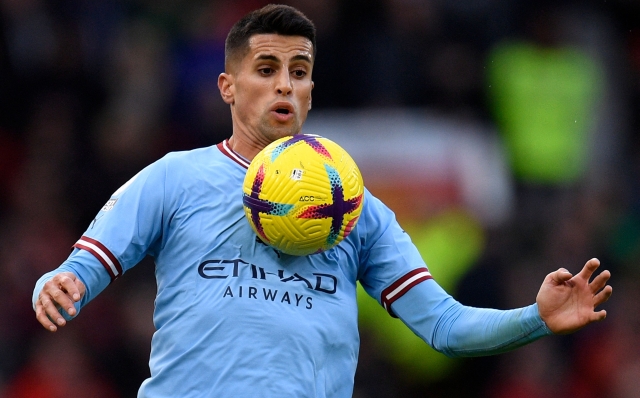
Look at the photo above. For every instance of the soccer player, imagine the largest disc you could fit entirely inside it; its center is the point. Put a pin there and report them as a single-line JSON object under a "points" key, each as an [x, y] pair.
{"points": [[234, 317]]}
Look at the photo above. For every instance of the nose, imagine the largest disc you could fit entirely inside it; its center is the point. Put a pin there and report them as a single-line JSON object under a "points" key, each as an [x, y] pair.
{"points": [[283, 83]]}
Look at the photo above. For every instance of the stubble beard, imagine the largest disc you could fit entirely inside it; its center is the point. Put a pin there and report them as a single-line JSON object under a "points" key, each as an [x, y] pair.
{"points": [[273, 132]]}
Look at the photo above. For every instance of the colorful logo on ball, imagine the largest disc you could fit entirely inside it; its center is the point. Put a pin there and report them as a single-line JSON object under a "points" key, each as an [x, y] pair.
{"points": [[335, 210], [257, 205], [309, 139]]}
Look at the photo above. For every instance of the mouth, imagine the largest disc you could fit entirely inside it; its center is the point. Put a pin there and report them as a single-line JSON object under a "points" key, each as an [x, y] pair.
{"points": [[283, 111]]}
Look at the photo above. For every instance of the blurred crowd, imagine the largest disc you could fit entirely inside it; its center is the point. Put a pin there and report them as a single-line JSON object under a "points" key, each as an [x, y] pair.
{"points": [[91, 91]]}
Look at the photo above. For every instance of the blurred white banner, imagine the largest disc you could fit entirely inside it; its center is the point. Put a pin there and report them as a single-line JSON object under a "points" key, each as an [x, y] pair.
{"points": [[419, 164]]}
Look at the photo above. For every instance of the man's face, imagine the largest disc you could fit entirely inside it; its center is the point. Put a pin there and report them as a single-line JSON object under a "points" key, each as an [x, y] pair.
{"points": [[269, 89]]}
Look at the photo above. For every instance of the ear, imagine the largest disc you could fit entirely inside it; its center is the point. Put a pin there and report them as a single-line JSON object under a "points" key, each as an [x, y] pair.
{"points": [[226, 87]]}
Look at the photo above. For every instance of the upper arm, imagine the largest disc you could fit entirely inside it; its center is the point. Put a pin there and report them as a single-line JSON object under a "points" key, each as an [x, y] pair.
{"points": [[390, 263], [131, 222]]}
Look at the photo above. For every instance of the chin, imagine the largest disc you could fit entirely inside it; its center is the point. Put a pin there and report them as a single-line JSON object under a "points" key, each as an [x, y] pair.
{"points": [[279, 132]]}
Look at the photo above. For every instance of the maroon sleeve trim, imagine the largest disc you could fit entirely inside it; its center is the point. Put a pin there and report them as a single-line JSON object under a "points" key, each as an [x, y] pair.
{"points": [[402, 286], [100, 251]]}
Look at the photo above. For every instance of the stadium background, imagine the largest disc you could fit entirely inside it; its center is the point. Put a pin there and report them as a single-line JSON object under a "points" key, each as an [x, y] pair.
{"points": [[503, 133]]}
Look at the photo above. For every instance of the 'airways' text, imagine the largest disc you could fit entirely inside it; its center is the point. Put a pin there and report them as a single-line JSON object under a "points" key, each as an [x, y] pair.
{"points": [[252, 292]]}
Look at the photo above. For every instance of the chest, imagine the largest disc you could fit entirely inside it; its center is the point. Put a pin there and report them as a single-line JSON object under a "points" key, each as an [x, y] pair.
{"points": [[233, 282]]}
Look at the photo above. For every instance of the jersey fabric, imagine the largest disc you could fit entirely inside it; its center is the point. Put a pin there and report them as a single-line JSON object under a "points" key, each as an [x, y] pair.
{"points": [[235, 318]]}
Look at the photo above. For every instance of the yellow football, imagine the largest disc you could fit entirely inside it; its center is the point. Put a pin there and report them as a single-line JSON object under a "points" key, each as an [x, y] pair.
{"points": [[303, 194]]}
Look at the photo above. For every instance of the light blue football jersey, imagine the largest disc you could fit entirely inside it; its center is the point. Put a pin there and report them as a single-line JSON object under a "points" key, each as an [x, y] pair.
{"points": [[235, 318]]}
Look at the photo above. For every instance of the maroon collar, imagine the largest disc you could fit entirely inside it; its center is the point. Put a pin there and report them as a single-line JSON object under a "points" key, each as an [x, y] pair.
{"points": [[231, 154]]}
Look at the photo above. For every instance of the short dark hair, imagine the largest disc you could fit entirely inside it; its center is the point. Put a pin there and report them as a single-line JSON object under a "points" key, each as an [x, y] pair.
{"points": [[273, 18]]}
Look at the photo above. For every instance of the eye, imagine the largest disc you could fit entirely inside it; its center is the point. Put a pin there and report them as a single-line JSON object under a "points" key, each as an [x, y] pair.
{"points": [[266, 71], [299, 73]]}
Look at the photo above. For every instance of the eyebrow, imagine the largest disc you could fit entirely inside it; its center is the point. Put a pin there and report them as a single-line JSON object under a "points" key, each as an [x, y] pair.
{"points": [[269, 57], [301, 57]]}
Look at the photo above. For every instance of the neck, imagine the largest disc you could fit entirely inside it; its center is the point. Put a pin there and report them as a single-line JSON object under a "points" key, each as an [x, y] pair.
{"points": [[244, 148]]}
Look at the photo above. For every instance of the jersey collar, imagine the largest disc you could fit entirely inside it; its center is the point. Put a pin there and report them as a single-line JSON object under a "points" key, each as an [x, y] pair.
{"points": [[231, 154]]}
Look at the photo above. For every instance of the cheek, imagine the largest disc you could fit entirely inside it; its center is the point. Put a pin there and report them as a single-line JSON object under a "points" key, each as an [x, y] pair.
{"points": [[250, 103], [304, 94]]}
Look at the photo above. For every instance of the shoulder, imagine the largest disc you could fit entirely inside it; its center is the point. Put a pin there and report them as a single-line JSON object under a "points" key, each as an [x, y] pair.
{"points": [[199, 170], [375, 213], [177, 169], [192, 162], [375, 220], [188, 157]]}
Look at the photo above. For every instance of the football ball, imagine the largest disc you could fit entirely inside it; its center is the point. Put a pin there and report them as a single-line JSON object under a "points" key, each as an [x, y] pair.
{"points": [[303, 194]]}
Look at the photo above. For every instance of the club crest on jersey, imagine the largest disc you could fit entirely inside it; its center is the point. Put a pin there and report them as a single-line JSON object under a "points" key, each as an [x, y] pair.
{"points": [[109, 205]]}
